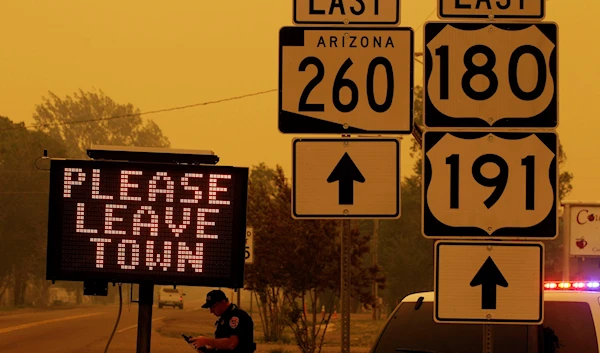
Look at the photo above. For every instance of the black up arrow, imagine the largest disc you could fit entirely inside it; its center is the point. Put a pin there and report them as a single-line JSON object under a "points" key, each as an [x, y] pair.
{"points": [[346, 173], [488, 277]]}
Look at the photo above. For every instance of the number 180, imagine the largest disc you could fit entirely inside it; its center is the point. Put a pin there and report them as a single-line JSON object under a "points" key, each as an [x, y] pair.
{"points": [[487, 70]]}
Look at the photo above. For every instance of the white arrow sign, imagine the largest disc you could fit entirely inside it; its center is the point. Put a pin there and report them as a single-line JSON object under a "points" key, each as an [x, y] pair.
{"points": [[340, 178], [479, 184], [489, 282]]}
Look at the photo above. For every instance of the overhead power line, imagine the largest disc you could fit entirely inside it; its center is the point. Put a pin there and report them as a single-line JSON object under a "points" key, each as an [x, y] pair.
{"points": [[169, 109], [426, 18], [146, 113]]}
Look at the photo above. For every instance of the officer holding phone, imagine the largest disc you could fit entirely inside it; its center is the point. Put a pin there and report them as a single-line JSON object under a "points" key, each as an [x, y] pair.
{"points": [[234, 329]]}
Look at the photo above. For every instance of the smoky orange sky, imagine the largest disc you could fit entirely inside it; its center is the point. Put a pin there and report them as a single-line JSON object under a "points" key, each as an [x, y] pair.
{"points": [[159, 54]]}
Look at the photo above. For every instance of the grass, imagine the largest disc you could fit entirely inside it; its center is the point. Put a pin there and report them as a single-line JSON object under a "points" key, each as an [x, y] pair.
{"points": [[363, 331]]}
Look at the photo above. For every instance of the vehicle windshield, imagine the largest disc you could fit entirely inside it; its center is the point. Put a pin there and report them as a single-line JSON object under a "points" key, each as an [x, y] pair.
{"points": [[568, 328]]}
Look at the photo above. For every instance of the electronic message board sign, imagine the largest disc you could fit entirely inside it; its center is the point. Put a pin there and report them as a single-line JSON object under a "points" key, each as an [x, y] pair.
{"points": [[147, 222]]}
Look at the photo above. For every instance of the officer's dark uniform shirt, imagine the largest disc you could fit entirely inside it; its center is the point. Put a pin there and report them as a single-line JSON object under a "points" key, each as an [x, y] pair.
{"points": [[236, 322]]}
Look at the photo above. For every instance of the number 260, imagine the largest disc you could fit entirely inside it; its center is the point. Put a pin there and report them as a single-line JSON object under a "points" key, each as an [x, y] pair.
{"points": [[498, 182], [341, 82]]}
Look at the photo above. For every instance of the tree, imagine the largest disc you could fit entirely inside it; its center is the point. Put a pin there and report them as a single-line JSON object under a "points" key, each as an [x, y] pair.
{"points": [[407, 256], [266, 214], [564, 178], [23, 207], [89, 118], [297, 261], [404, 253], [554, 248], [318, 276]]}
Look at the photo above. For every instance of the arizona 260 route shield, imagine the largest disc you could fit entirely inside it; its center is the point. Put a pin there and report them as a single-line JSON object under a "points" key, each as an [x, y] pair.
{"points": [[345, 80]]}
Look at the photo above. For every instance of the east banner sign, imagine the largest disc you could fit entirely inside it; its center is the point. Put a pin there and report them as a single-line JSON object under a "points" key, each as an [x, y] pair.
{"points": [[147, 222]]}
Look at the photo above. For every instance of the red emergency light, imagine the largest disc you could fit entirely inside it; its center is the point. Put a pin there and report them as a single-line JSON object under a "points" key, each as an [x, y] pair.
{"points": [[572, 285]]}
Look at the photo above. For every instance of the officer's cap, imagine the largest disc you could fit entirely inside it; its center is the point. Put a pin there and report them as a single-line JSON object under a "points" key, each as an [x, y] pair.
{"points": [[213, 297]]}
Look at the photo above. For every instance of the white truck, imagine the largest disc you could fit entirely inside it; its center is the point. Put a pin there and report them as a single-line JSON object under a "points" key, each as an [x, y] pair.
{"points": [[571, 325], [168, 296]]}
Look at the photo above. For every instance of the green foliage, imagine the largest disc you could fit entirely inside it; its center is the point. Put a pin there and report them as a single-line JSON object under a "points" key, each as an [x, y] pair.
{"points": [[23, 206], [297, 261], [86, 118], [404, 253], [407, 257], [66, 128], [554, 248]]}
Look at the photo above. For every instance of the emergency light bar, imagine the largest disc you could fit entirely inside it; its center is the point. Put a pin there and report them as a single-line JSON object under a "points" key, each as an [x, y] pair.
{"points": [[572, 285]]}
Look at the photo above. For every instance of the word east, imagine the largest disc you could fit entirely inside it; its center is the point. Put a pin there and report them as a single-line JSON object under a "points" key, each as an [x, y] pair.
{"points": [[489, 4], [358, 8], [150, 259]]}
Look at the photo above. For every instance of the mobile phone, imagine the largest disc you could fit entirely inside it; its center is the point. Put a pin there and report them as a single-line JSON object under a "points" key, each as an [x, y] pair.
{"points": [[200, 349]]}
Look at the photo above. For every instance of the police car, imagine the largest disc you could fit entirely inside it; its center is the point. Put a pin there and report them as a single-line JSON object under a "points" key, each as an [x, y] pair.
{"points": [[571, 325]]}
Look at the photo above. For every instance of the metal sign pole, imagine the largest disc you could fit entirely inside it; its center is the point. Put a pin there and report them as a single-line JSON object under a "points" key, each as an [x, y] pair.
{"points": [[145, 317], [488, 342], [566, 242], [345, 284]]}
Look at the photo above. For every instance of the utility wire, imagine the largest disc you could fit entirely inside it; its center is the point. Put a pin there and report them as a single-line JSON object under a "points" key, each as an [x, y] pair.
{"points": [[146, 113], [173, 108], [426, 18]]}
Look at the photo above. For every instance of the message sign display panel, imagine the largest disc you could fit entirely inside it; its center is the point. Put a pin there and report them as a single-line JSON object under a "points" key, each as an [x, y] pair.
{"points": [[147, 222]]}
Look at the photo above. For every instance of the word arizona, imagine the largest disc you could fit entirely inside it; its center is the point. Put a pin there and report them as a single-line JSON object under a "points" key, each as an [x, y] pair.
{"points": [[343, 41]]}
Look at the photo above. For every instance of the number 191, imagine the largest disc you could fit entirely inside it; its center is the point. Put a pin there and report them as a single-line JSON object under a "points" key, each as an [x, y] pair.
{"points": [[498, 182]]}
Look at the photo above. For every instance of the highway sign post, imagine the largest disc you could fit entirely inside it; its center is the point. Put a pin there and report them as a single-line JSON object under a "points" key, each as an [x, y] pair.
{"points": [[346, 178], [489, 282], [491, 75], [336, 12], [484, 177], [345, 80], [486, 9], [483, 184]]}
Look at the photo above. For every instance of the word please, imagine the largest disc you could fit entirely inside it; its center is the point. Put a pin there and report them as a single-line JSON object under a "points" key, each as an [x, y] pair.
{"points": [[152, 260], [76, 177]]}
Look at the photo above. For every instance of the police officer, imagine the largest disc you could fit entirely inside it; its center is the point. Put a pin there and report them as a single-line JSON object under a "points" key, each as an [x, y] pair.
{"points": [[234, 329]]}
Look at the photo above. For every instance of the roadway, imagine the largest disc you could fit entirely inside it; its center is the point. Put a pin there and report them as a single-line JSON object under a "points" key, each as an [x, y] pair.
{"points": [[79, 330]]}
